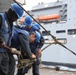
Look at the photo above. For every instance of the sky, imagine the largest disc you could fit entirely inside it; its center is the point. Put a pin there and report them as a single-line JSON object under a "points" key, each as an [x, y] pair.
{"points": [[31, 3]]}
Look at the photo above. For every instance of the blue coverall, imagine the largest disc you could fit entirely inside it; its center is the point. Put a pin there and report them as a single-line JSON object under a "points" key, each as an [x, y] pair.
{"points": [[20, 40]]}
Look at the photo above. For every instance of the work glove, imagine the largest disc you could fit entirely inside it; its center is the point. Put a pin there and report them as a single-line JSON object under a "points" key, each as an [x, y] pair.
{"points": [[33, 56], [15, 51]]}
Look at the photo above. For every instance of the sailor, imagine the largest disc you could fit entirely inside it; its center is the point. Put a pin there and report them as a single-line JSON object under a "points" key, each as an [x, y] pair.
{"points": [[6, 25], [21, 39]]}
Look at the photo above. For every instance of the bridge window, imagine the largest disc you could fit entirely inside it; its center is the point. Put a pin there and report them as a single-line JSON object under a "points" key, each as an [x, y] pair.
{"points": [[60, 31], [44, 33], [71, 31]]}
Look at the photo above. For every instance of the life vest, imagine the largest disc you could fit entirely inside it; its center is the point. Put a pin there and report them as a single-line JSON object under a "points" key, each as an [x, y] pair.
{"points": [[5, 31], [15, 42]]}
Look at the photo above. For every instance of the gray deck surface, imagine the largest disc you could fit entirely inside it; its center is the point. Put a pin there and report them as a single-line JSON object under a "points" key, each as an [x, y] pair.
{"points": [[46, 71]]}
